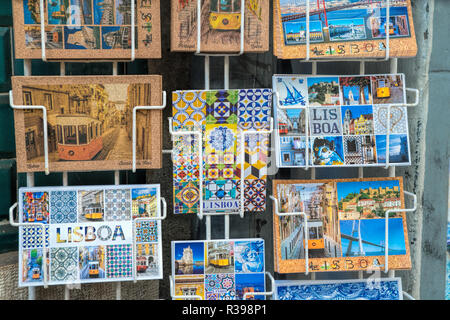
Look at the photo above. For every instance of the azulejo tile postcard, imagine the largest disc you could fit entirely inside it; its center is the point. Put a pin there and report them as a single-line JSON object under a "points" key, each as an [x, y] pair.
{"points": [[84, 243], [87, 29], [219, 269], [89, 122], [355, 289], [346, 225], [220, 25], [221, 116], [341, 120], [343, 28]]}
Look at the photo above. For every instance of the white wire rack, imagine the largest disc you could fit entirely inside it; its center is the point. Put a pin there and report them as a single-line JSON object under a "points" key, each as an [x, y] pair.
{"points": [[305, 228], [135, 109], [159, 217], [307, 108]]}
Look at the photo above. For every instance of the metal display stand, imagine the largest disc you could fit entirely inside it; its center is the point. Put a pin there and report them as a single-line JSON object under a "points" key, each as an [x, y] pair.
{"points": [[199, 135], [389, 166], [30, 175]]}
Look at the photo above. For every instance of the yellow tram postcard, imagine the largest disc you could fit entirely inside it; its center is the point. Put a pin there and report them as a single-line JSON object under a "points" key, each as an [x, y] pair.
{"points": [[219, 269], [343, 29], [345, 227], [221, 23], [89, 122], [87, 29], [92, 234]]}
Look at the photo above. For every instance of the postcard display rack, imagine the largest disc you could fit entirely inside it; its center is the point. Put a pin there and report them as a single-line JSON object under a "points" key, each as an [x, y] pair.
{"points": [[129, 230], [198, 133], [318, 290], [195, 133]]}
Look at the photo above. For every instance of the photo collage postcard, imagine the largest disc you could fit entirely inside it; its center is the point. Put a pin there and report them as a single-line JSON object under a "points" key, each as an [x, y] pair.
{"points": [[220, 22], [340, 120], [368, 289], [219, 269], [89, 122], [343, 28], [89, 234], [221, 116], [346, 225], [87, 29]]}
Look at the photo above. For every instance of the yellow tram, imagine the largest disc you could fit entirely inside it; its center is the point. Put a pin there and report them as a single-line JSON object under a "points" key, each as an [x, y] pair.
{"points": [[225, 14], [220, 258], [93, 269], [79, 137], [93, 213], [383, 91], [315, 235]]}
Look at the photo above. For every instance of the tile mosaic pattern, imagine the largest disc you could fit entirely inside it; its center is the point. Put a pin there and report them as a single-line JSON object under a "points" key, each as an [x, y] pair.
{"points": [[146, 231], [222, 270], [63, 207], [219, 286], [31, 237], [383, 289], [220, 115], [119, 261], [339, 109], [117, 205], [71, 255], [64, 264]]}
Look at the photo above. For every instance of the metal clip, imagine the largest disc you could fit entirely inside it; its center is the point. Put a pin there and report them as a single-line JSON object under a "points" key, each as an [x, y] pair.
{"points": [[44, 118], [134, 123]]}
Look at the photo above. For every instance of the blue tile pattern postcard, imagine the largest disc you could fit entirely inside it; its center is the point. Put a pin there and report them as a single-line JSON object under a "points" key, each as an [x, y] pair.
{"points": [[323, 121], [219, 269], [89, 234], [368, 289]]}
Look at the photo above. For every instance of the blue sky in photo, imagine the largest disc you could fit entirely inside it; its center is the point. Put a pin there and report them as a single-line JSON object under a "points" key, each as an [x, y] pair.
{"points": [[295, 27], [293, 112], [346, 22], [142, 191], [197, 250], [250, 280], [355, 91], [373, 230], [344, 188], [394, 144], [314, 80], [357, 111]]}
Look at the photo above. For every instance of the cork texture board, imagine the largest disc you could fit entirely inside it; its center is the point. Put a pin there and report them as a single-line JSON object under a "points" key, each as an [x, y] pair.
{"points": [[220, 26], [87, 29], [346, 225], [343, 29], [89, 121]]}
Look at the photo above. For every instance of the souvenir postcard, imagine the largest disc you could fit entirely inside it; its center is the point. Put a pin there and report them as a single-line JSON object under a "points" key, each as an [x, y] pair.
{"points": [[220, 25], [221, 116], [92, 234], [89, 122], [355, 289], [219, 269], [345, 225], [341, 120], [343, 29], [87, 29]]}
